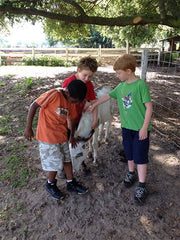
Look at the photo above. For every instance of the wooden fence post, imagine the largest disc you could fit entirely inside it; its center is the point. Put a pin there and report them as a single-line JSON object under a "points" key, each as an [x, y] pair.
{"points": [[159, 56], [99, 53], [144, 63], [33, 53], [66, 54], [127, 47]]}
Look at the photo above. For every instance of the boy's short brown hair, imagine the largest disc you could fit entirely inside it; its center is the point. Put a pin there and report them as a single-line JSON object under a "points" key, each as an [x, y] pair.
{"points": [[88, 63], [124, 62]]}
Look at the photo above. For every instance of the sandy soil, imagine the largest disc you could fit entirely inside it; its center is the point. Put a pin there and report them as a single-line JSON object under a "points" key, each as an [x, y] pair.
{"points": [[108, 211]]}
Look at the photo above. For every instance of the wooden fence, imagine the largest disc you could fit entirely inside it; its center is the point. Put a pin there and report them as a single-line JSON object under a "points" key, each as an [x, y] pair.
{"points": [[10, 56]]}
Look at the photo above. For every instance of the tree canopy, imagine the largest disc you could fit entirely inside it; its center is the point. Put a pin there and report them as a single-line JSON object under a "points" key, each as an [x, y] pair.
{"points": [[95, 12]]}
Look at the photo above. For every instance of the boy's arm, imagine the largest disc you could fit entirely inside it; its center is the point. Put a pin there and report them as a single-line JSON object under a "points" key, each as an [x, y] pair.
{"points": [[95, 115], [148, 114], [101, 100], [28, 133], [72, 127]]}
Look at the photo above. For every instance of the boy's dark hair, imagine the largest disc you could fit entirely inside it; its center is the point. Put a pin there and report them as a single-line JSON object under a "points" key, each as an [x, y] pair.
{"points": [[77, 89], [88, 63]]}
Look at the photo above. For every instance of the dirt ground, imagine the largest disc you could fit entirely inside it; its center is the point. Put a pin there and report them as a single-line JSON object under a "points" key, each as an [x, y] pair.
{"points": [[108, 211]]}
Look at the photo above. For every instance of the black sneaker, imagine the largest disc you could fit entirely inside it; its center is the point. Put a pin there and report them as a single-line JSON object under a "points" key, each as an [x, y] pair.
{"points": [[76, 187], [130, 179], [54, 190], [140, 195]]}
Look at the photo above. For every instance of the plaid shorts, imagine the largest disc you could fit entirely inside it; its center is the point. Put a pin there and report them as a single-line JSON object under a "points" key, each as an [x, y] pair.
{"points": [[53, 155]]}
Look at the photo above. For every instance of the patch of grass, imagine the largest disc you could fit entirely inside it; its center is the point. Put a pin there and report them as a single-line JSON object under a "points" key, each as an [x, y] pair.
{"points": [[12, 206], [25, 85], [5, 127], [10, 75], [4, 130], [2, 84], [19, 207], [39, 81], [4, 215], [16, 171]]}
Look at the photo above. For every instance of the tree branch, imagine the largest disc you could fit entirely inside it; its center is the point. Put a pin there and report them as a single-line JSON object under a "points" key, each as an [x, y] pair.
{"points": [[95, 20]]}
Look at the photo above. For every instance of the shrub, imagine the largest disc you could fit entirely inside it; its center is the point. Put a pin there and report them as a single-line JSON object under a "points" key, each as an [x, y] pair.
{"points": [[48, 61]]}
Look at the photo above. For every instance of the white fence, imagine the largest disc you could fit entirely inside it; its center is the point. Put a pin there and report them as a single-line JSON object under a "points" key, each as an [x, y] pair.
{"points": [[11, 56]]}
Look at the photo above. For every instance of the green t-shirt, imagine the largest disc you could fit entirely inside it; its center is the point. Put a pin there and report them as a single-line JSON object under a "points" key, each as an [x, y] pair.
{"points": [[131, 98]]}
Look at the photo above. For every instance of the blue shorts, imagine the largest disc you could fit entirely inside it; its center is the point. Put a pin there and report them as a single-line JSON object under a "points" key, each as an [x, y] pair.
{"points": [[134, 148]]}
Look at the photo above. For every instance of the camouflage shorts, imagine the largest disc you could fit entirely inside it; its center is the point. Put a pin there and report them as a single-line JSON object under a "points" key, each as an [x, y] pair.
{"points": [[53, 155]]}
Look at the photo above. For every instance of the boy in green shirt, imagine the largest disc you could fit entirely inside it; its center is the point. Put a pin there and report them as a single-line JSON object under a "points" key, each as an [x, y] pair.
{"points": [[135, 109]]}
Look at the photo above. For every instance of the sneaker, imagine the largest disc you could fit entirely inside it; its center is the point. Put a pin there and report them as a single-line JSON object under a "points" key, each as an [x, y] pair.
{"points": [[76, 187], [54, 190], [140, 195], [130, 179]]}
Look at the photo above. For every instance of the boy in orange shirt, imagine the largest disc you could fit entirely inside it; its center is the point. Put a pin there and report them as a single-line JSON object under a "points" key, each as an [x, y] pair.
{"points": [[56, 106]]}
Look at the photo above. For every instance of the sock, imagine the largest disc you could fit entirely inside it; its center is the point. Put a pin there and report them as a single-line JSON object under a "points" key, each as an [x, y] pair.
{"points": [[132, 172], [52, 183], [69, 181], [142, 184]]}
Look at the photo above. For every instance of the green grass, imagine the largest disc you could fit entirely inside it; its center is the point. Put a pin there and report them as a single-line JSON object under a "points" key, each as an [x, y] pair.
{"points": [[12, 206], [16, 171], [2, 84], [25, 85], [5, 127]]}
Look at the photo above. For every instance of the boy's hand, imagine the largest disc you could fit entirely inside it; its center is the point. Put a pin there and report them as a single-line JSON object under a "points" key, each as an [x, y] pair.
{"points": [[90, 108], [29, 134], [93, 126], [73, 141], [143, 133]]}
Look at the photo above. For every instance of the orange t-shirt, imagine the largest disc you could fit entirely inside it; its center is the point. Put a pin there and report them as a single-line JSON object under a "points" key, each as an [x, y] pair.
{"points": [[54, 111]]}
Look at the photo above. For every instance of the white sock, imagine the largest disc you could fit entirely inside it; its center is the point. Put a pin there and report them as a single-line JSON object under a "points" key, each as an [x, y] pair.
{"points": [[50, 182], [69, 181]]}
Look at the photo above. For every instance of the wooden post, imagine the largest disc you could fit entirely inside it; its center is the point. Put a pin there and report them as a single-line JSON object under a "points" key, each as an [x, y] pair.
{"points": [[162, 46], [99, 53], [144, 63], [66, 54], [171, 50], [127, 47], [33, 53], [159, 57]]}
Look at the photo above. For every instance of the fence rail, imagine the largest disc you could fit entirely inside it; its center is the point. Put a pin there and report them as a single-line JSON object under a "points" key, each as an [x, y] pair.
{"points": [[15, 55]]}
